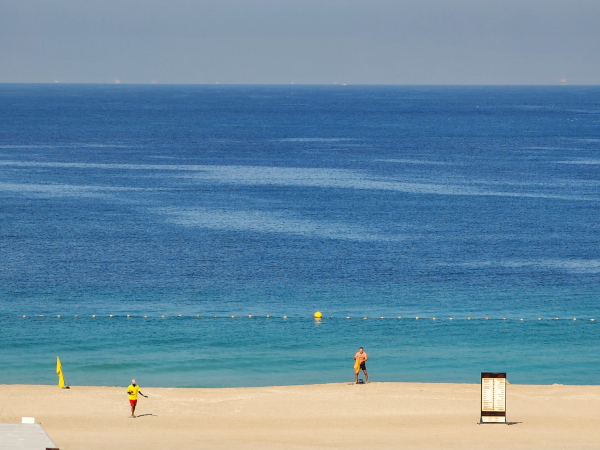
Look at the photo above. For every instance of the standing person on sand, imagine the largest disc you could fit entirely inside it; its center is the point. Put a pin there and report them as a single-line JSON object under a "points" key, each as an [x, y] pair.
{"points": [[133, 390], [361, 355]]}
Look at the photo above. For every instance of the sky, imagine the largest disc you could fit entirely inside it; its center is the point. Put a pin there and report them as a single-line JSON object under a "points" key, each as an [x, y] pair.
{"points": [[301, 41]]}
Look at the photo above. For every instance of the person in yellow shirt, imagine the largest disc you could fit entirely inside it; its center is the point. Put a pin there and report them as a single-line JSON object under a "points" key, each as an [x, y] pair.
{"points": [[361, 356], [133, 390]]}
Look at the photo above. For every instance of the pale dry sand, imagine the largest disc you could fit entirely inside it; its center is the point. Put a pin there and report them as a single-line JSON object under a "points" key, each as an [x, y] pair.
{"points": [[332, 416]]}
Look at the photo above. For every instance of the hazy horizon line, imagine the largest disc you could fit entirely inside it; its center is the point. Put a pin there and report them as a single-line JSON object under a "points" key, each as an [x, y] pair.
{"points": [[292, 84]]}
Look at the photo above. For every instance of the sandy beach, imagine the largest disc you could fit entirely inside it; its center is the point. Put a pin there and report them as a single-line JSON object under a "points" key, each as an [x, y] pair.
{"points": [[335, 416]]}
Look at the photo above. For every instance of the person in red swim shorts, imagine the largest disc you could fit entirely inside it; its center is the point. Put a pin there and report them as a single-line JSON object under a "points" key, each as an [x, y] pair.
{"points": [[133, 390]]}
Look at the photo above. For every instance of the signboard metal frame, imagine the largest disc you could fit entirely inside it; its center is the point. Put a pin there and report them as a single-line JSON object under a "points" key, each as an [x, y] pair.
{"points": [[493, 386]]}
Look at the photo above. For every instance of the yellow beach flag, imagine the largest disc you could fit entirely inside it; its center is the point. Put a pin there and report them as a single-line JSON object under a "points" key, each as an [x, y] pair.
{"points": [[61, 380], [357, 365]]}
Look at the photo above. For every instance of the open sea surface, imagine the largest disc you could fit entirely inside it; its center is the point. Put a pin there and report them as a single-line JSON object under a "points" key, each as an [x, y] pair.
{"points": [[191, 202]]}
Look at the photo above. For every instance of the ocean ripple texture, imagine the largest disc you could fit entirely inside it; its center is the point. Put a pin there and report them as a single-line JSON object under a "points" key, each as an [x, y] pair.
{"points": [[375, 205]]}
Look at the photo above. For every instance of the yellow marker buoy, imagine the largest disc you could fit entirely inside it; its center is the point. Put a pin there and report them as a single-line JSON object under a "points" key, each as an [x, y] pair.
{"points": [[331, 317], [162, 317], [450, 318], [76, 316], [250, 316], [285, 317], [128, 315], [145, 317], [487, 318], [41, 315], [318, 315], [268, 317], [574, 318], [468, 318], [179, 315], [556, 318], [591, 320], [539, 318], [417, 318], [232, 317], [521, 320], [93, 316], [504, 318], [108, 316], [381, 317], [364, 318], [347, 317], [58, 316], [24, 317], [433, 318]]}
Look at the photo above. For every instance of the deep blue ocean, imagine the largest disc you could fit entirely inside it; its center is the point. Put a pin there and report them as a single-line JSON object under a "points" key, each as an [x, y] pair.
{"points": [[445, 202]]}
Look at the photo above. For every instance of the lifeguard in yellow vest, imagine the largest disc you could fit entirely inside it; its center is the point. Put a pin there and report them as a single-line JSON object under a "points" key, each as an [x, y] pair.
{"points": [[359, 363], [133, 390]]}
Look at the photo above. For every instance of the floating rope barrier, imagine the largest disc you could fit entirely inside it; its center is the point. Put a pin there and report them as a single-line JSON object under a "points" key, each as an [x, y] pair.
{"points": [[250, 316]]}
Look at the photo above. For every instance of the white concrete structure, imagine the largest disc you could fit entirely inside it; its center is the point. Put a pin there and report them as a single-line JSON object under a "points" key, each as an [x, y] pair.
{"points": [[24, 436]]}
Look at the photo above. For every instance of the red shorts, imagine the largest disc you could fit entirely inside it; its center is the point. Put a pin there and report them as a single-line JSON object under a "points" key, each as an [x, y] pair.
{"points": [[133, 402]]}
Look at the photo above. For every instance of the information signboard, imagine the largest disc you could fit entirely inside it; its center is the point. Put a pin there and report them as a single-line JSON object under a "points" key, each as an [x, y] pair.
{"points": [[493, 397]]}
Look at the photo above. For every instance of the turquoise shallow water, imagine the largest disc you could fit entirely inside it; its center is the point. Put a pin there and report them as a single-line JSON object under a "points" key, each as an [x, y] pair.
{"points": [[209, 352], [367, 201]]}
